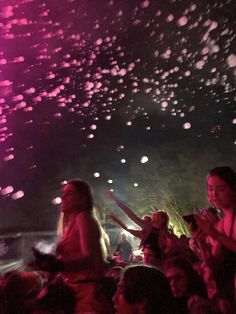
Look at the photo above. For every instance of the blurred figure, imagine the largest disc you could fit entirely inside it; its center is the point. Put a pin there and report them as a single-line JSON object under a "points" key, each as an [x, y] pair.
{"points": [[57, 297], [81, 255], [19, 291], [221, 187], [212, 214], [144, 223], [161, 235], [143, 289], [152, 255], [124, 249], [185, 282], [114, 272], [153, 231]]}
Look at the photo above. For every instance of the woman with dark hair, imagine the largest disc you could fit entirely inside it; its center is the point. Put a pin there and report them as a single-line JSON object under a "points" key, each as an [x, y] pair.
{"points": [[18, 292], [81, 249], [167, 240], [193, 283], [143, 289], [221, 189], [154, 230], [185, 282]]}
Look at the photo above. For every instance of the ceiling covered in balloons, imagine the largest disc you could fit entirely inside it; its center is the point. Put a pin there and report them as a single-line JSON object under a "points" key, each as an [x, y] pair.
{"points": [[87, 87]]}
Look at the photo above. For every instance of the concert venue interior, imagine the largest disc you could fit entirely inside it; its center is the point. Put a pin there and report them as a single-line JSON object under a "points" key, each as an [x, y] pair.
{"points": [[134, 96]]}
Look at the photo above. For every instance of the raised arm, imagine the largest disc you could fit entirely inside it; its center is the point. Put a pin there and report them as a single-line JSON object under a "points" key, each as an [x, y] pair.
{"points": [[136, 233], [118, 221], [137, 220]]}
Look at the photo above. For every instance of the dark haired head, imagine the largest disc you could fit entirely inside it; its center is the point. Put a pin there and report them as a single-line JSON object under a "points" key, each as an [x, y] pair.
{"points": [[148, 283], [164, 217], [160, 216], [13, 290], [227, 174], [84, 189], [19, 291], [195, 283], [57, 297], [155, 249]]}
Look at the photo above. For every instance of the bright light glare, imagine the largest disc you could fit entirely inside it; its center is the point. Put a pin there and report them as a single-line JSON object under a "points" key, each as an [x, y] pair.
{"points": [[126, 232], [64, 182], [56, 201], [187, 125], [17, 195], [7, 190], [144, 159], [45, 247]]}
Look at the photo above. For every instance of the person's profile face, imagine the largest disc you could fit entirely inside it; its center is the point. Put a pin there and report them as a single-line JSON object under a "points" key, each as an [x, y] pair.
{"points": [[157, 220], [149, 257], [72, 200], [121, 306], [178, 281], [122, 237], [219, 193]]}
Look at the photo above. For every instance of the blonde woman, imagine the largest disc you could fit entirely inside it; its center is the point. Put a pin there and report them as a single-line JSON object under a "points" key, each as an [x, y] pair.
{"points": [[80, 252]]}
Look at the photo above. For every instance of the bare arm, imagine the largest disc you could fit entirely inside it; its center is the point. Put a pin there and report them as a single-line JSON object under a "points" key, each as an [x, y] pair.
{"points": [[118, 221], [209, 229], [137, 220], [90, 252], [229, 243], [136, 233]]}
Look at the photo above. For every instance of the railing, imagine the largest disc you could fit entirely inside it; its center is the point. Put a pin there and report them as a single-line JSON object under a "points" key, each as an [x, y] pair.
{"points": [[16, 248]]}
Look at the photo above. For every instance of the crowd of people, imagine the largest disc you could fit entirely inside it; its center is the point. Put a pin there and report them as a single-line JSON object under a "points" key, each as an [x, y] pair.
{"points": [[176, 275]]}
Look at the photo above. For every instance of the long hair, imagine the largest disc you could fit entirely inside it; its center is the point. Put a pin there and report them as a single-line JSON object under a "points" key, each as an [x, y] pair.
{"points": [[84, 189], [165, 218], [105, 240]]}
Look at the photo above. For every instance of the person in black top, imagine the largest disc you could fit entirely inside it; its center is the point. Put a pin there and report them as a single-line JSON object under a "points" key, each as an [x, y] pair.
{"points": [[124, 249]]}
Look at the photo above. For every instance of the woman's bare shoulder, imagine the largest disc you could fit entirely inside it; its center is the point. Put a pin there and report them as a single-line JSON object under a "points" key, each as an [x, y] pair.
{"points": [[86, 220]]}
